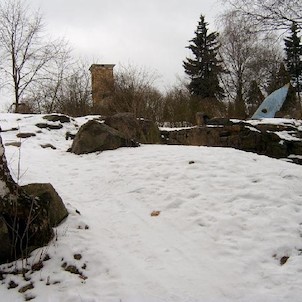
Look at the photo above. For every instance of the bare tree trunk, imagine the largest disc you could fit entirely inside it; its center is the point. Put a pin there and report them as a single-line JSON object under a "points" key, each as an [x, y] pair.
{"points": [[24, 223]]}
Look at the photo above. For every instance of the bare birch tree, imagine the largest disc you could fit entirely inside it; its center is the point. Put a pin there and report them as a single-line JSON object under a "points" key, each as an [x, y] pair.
{"points": [[24, 51]]}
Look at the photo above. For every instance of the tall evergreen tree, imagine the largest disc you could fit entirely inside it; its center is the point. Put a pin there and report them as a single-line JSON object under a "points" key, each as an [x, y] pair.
{"points": [[204, 68], [293, 49]]}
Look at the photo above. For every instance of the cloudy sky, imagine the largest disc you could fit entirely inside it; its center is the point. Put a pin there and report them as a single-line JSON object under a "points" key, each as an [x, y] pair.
{"points": [[149, 34]]}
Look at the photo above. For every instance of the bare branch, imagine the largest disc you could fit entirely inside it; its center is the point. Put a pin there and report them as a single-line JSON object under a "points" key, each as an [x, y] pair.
{"points": [[270, 14], [25, 53]]}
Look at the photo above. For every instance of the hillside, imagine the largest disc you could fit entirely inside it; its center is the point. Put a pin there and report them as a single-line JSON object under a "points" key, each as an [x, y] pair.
{"points": [[227, 224]]}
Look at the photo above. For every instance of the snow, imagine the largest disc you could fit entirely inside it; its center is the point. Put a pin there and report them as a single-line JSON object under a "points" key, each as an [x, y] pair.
{"points": [[253, 129], [175, 128], [288, 135], [275, 121], [226, 219]]}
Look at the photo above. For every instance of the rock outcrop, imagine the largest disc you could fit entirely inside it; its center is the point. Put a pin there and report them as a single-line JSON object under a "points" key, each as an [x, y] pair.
{"points": [[265, 139], [141, 130], [50, 199], [57, 118], [95, 136]]}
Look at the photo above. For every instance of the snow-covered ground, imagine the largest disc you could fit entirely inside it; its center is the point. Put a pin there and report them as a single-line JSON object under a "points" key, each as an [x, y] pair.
{"points": [[226, 221]]}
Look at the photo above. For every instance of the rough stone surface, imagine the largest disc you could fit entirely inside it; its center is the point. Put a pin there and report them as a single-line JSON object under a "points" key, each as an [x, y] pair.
{"points": [[94, 136], [45, 146], [69, 135], [8, 130], [125, 123], [57, 118], [14, 144], [25, 135], [49, 126], [262, 139], [48, 196], [142, 130]]}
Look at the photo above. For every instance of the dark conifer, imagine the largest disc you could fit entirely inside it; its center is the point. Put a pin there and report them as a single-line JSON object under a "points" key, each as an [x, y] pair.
{"points": [[204, 68]]}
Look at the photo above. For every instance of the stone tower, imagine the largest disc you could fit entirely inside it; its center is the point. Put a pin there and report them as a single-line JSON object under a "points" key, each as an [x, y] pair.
{"points": [[102, 83]]}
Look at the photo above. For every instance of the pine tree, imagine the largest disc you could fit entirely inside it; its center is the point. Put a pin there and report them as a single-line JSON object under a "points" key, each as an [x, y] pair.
{"points": [[204, 68], [293, 49]]}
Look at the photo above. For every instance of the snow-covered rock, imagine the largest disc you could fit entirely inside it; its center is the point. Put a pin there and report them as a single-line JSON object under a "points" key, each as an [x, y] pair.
{"points": [[278, 140]]}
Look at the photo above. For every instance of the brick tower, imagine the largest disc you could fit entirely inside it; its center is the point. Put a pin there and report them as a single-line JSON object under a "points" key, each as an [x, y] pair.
{"points": [[102, 83]]}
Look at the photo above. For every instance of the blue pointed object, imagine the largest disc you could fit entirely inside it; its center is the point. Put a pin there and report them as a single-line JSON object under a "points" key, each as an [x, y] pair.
{"points": [[272, 104]]}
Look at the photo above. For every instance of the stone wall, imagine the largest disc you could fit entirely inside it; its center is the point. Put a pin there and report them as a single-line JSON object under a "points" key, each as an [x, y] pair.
{"points": [[265, 139]]}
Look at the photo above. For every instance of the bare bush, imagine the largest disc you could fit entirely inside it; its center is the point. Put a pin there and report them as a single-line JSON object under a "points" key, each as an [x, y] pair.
{"points": [[134, 92]]}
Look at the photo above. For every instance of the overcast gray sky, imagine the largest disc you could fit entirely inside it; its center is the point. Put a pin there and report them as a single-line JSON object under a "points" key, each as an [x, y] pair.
{"points": [[151, 34]]}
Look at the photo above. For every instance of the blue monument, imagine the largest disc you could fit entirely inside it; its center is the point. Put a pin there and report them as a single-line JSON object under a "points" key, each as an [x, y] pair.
{"points": [[272, 103]]}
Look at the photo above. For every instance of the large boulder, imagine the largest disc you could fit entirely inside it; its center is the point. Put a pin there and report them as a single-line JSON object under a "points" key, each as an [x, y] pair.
{"points": [[43, 196], [95, 136], [142, 130], [48, 196]]}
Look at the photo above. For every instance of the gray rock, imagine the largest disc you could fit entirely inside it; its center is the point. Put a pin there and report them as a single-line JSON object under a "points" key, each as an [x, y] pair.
{"points": [[94, 136], [69, 135], [48, 196], [57, 118], [142, 130], [25, 135], [14, 144], [49, 126], [44, 146], [8, 130], [262, 139]]}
